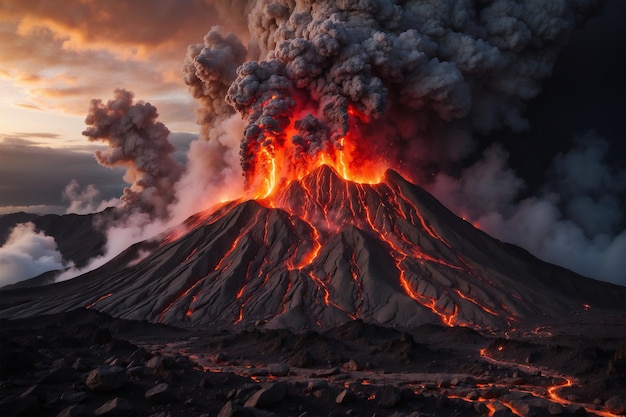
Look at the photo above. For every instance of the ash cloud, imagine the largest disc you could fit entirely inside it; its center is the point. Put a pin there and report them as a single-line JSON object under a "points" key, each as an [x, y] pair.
{"points": [[27, 253], [139, 143], [449, 64]]}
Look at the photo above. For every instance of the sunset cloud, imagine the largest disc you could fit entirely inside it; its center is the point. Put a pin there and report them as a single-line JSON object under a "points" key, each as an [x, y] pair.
{"points": [[61, 57]]}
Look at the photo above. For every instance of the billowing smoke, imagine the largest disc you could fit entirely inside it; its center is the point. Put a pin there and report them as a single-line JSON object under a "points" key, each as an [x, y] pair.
{"points": [[575, 220], [138, 143], [333, 63], [27, 253], [85, 200]]}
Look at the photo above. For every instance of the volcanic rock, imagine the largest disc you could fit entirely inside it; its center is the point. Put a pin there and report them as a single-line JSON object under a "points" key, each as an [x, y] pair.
{"points": [[106, 378], [389, 397], [302, 359], [74, 411], [267, 397], [160, 393], [73, 396], [115, 407], [616, 405], [576, 409], [233, 410], [24, 405], [345, 396], [555, 409], [278, 369]]}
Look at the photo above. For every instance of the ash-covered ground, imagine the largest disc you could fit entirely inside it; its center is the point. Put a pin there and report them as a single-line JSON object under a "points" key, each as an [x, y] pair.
{"points": [[87, 363]]}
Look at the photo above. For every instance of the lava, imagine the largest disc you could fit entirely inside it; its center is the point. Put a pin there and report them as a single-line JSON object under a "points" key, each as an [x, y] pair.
{"points": [[90, 305], [552, 392], [279, 161]]}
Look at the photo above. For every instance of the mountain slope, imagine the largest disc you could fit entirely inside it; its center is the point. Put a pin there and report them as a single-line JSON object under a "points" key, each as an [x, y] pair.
{"points": [[323, 251]]}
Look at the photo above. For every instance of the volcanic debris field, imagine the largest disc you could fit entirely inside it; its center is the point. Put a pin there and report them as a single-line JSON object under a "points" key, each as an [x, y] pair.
{"points": [[87, 363], [329, 298]]}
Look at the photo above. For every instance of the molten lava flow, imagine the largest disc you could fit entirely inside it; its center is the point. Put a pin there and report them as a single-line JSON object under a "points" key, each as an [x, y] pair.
{"points": [[281, 161], [98, 300]]}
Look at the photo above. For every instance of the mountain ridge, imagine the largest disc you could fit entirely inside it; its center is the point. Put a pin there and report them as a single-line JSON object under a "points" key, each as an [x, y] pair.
{"points": [[323, 251]]}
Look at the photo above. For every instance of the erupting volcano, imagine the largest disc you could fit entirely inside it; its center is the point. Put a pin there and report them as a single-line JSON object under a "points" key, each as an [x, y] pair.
{"points": [[322, 250]]}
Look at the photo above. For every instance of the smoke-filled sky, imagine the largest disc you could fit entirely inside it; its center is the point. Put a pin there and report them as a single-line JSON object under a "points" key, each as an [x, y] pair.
{"points": [[513, 117]]}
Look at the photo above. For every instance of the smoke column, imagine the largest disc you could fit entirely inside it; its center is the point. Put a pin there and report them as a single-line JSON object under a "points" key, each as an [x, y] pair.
{"points": [[417, 72], [138, 143]]}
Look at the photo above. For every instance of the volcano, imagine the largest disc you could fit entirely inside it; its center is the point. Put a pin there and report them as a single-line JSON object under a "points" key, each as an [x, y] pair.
{"points": [[322, 251]]}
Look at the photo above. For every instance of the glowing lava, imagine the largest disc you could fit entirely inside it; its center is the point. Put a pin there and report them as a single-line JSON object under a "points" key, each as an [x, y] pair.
{"points": [[280, 161]]}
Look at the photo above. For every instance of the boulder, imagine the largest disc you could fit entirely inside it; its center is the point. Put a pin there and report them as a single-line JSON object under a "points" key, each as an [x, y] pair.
{"points": [[345, 397], [555, 409], [106, 378], [576, 410], [74, 411], [616, 405], [267, 397], [114, 408], [481, 408], [352, 365], [160, 393], [278, 369], [389, 397], [323, 373], [316, 385]]}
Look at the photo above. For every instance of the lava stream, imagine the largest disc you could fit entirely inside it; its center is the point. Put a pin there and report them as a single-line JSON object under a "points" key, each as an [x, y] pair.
{"points": [[552, 392]]}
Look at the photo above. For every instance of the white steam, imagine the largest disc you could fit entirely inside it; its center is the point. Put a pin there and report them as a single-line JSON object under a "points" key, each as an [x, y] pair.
{"points": [[575, 221], [27, 253], [86, 200]]}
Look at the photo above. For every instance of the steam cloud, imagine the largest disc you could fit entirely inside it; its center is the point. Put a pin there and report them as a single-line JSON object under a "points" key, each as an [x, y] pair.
{"points": [[27, 253], [575, 221], [86, 200], [138, 143]]}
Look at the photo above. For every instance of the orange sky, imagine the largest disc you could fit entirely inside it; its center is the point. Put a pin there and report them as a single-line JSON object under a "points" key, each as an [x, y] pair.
{"points": [[56, 56]]}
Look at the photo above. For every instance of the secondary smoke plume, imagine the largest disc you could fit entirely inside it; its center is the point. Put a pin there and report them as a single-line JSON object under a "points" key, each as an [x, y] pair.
{"points": [[85, 200], [27, 253], [138, 143]]}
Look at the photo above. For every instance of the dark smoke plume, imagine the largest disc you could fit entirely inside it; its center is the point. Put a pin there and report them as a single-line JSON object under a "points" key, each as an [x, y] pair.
{"points": [[445, 64], [138, 143], [209, 70]]}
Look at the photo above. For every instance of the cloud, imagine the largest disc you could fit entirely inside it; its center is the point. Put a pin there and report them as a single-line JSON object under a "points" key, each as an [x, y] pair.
{"points": [[86, 200], [60, 57], [576, 219], [35, 209], [26, 254], [36, 176]]}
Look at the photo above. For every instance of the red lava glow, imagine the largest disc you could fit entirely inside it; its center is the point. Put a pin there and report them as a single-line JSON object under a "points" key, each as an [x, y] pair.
{"points": [[98, 300], [273, 170], [552, 393]]}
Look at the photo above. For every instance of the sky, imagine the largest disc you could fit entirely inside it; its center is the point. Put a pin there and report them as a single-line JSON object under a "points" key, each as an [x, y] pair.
{"points": [[555, 186]]}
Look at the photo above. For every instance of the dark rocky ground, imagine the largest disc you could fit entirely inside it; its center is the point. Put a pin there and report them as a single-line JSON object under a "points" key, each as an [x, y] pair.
{"points": [[87, 363]]}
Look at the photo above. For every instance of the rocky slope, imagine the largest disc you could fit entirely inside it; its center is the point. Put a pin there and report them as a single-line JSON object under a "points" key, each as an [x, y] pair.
{"points": [[324, 251]]}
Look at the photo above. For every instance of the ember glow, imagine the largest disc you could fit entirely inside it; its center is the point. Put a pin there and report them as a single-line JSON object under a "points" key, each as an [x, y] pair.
{"points": [[280, 162]]}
